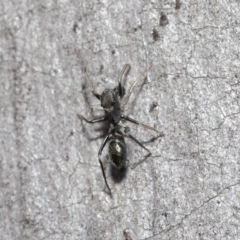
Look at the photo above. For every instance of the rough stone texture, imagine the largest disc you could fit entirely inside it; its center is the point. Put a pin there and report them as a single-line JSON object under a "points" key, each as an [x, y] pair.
{"points": [[51, 182]]}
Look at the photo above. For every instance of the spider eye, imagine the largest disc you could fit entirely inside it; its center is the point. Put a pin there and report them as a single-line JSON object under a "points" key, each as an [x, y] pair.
{"points": [[112, 103]]}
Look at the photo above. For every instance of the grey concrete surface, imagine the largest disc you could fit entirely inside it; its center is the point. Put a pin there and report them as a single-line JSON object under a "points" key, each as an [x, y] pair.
{"points": [[51, 182]]}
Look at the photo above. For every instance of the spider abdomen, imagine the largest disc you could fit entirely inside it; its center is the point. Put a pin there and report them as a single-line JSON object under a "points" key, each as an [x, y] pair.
{"points": [[117, 151]]}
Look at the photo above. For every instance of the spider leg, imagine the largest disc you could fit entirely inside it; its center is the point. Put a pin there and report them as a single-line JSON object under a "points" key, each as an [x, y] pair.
{"points": [[121, 89], [91, 121], [91, 85], [143, 125], [95, 109], [100, 161], [142, 146], [142, 76], [127, 235]]}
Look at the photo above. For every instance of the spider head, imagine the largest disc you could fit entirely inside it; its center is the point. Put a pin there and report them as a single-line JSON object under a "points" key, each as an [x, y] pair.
{"points": [[109, 100]]}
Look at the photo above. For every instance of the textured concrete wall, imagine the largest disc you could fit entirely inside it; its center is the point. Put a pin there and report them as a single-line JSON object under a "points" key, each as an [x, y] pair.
{"points": [[51, 182]]}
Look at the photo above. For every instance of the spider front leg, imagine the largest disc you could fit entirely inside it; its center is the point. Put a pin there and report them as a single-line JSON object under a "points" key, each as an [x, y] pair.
{"points": [[91, 85], [125, 101], [121, 89]]}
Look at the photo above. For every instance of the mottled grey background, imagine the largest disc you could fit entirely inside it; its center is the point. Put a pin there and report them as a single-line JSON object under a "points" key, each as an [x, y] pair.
{"points": [[51, 182]]}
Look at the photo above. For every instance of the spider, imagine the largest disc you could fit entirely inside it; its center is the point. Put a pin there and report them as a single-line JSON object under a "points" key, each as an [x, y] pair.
{"points": [[112, 103]]}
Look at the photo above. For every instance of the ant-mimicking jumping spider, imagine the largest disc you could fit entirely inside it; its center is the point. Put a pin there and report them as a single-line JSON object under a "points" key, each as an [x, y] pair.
{"points": [[110, 102]]}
